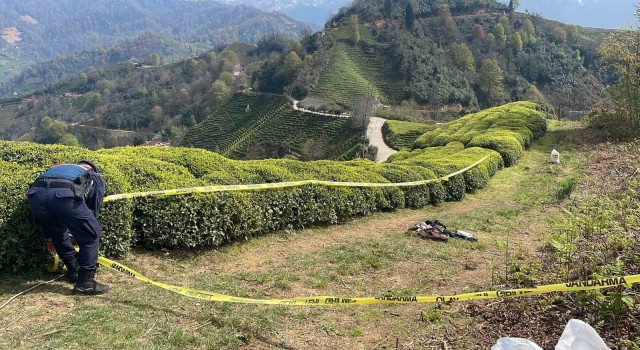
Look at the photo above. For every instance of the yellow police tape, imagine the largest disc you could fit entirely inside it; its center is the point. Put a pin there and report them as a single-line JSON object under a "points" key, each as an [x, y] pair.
{"points": [[333, 300], [226, 188]]}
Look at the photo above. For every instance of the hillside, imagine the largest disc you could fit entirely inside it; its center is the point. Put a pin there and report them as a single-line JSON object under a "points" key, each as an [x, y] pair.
{"points": [[148, 100], [446, 55], [264, 126], [76, 26], [39, 76]]}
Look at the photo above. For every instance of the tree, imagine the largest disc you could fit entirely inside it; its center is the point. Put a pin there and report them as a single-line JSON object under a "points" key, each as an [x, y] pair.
{"points": [[478, 32], [490, 41], [448, 23], [231, 56], [528, 32], [513, 5], [620, 51], [533, 94], [572, 34], [517, 42], [463, 57], [228, 79], [183, 95], [92, 101], [69, 140], [190, 66], [409, 14], [218, 94], [211, 58], [156, 117], [226, 65], [291, 64], [361, 114], [499, 32], [559, 35], [354, 29], [504, 20], [297, 47], [51, 131], [154, 59], [388, 9], [492, 82]]}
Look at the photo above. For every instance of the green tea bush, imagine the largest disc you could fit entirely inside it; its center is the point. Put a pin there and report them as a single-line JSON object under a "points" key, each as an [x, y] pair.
{"points": [[20, 242], [254, 126], [507, 129], [400, 134]]}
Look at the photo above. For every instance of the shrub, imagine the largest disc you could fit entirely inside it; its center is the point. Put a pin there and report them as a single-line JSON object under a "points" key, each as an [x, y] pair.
{"points": [[507, 129], [402, 134]]}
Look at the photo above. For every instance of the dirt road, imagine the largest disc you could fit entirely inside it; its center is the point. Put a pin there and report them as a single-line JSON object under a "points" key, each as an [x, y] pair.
{"points": [[375, 139]]}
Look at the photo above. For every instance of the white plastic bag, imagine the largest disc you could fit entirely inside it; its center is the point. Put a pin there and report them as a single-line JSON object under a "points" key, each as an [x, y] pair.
{"points": [[555, 157], [515, 344], [578, 335]]}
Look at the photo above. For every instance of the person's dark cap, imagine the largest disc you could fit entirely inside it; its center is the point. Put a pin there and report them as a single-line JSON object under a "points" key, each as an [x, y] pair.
{"points": [[88, 162]]}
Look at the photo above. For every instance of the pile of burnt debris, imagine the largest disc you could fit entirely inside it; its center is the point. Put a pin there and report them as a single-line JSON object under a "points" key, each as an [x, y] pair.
{"points": [[437, 231]]}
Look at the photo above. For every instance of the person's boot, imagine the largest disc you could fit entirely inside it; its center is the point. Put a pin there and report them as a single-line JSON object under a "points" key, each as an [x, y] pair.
{"points": [[72, 271], [87, 284]]}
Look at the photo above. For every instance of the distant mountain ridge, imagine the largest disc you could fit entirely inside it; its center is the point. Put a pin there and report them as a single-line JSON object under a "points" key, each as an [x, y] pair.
{"points": [[610, 14], [316, 12], [34, 30]]}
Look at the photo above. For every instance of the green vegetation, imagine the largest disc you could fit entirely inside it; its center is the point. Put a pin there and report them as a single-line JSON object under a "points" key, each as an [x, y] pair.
{"points": [[401, 134], [619, 114], [595, 238], [264, 126], [508, 129], [140, 102], [356, 70], [457, 55]]}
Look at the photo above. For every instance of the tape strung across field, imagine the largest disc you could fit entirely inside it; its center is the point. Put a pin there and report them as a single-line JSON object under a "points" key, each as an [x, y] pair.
{"points": [[332, 300], [226, 188]]}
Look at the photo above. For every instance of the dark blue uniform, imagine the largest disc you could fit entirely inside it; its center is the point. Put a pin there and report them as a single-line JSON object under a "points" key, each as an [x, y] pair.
{"points": [[59, 202]]}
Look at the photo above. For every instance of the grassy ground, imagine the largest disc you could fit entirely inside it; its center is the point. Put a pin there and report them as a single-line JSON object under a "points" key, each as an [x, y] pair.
{"points": [[367, 257]]}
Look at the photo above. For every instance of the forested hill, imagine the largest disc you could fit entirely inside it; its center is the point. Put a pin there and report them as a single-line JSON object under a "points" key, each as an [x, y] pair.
{"points": [[144, 49], [33, 30], [452, 54]]}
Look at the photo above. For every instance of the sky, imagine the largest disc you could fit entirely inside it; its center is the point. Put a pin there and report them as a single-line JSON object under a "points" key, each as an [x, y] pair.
{"points": [[611, 14]]}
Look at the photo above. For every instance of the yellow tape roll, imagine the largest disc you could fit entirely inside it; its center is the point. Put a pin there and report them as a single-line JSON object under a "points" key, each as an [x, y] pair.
{"points": [[333, 300], [56, 265]]}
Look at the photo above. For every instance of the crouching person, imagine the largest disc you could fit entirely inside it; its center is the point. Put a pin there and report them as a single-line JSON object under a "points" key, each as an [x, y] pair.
{"points": [[66, 198]]}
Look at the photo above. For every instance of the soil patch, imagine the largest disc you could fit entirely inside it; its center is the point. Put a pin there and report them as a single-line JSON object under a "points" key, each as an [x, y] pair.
{"points": [[11, 35]]}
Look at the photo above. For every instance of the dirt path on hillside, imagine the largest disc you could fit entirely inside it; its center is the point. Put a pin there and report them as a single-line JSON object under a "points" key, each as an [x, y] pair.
{"points": [[374, 131], [296, 108]]}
